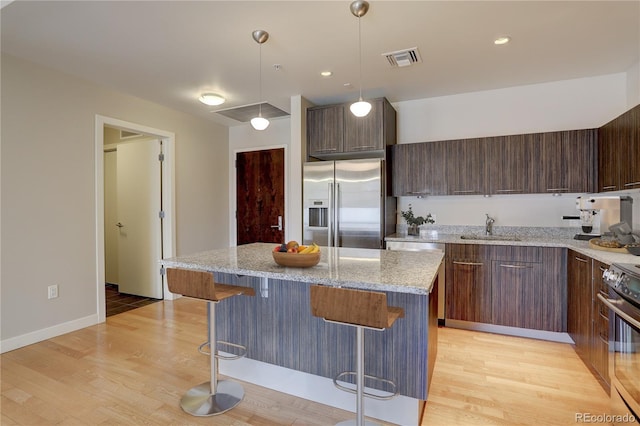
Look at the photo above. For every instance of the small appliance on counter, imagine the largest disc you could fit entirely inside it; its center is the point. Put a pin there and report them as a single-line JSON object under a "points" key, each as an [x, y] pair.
{"points": [[599, 212]]}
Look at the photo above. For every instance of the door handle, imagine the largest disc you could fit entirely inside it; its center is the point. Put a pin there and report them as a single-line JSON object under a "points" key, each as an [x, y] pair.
{"points": [[279, 225], [119, 225]]}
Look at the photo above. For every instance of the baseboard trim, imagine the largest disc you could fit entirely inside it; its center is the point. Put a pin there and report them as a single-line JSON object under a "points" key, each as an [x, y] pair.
{"points": [[17, 342], [510, 331]]}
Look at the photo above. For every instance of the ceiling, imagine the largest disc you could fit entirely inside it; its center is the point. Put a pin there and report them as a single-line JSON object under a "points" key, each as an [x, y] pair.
{"points": [[168, 52]]}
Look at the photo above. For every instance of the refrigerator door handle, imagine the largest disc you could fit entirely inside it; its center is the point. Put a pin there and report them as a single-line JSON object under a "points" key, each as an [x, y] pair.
{"points": [[336, 226], [331, 217]]}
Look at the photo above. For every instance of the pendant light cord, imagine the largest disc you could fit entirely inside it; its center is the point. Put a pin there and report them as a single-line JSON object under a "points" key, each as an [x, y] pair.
{"points": [[360, 55], [260, 81]]}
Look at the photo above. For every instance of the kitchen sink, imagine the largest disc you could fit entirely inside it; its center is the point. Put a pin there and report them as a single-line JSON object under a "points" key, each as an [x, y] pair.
{"points": [[490, 237]]}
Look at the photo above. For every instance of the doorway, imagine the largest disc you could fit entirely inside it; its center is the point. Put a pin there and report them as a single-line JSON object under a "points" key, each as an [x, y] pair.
{"points": [[159, 193], [260, 196]]}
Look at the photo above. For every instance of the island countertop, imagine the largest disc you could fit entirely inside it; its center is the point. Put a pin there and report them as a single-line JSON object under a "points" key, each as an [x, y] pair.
{"points": [[382, 270]]}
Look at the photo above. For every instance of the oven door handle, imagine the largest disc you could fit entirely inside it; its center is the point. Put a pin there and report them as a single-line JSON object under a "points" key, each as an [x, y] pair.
{"points": [[613, 305]]}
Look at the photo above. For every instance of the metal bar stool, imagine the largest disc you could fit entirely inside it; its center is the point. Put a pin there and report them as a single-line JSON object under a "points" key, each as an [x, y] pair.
{"points": [[361, 309], [212, 397]]}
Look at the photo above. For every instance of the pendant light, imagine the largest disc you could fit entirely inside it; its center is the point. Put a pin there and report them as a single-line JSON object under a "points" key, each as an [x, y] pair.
{"points": [[359, 8], [259, 122]]}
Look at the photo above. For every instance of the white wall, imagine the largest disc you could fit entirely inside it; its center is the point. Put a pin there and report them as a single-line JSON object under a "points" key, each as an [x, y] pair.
{"points": [[48, 193], [564, 105]]}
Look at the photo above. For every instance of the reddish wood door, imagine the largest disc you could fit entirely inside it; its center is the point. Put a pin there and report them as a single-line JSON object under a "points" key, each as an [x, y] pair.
{"points": [[260, 196]]}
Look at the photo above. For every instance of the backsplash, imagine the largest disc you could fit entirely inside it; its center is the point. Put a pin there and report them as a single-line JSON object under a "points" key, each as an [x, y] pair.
{"points": [[432, 231]]}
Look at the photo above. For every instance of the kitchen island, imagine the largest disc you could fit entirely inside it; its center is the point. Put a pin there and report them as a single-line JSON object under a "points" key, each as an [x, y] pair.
{"points": [[291, 351]]}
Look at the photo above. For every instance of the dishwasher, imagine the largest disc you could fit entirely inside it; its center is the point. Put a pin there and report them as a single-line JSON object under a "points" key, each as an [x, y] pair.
{"points": [[425, 246]]}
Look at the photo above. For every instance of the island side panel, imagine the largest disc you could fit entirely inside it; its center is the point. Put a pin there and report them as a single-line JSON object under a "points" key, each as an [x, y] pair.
{"points": [[287, 335]]}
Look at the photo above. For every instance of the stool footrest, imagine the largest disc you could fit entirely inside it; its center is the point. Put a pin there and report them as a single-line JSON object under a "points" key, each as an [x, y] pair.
{"points": [[243, 350], [367, 394]]}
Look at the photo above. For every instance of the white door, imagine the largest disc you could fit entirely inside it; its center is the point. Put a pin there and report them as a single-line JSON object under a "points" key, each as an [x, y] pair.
{"points": [[139, 205]]}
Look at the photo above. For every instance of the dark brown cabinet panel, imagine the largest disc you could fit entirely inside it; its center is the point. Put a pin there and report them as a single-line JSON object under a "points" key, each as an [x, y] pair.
{"points": [[418, 169], [528, 287], [579, 301], [517, 291], [468, 286], [325, 130], [511, 286], [600, 325], [466, 171], [566, 161], [510, 159], [334, 132], [619, 152]]}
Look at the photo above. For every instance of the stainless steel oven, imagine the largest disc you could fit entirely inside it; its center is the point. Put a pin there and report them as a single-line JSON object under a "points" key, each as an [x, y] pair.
{"points": [[624, 340]]}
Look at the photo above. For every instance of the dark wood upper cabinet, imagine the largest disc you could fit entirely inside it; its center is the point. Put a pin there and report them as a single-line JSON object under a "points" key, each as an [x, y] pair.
{"points": [[325, 130], [566, 160], [419, 169], [466, 173], [619, 152], [334, 132], [511, 165]]}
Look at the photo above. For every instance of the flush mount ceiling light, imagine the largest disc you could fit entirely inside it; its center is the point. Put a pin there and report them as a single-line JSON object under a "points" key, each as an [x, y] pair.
{"points": [[259, 122], [502, 40], [211, 99], [360, 8]]}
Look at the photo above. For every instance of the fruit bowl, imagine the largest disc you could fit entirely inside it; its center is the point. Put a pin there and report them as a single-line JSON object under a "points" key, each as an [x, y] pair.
{"points": [[296, 260]]}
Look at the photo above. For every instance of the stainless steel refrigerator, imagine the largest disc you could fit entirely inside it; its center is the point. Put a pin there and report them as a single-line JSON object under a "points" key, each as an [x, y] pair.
{"points": [[346, 203]]}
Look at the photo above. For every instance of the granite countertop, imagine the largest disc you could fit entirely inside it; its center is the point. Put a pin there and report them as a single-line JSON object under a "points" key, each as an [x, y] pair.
{"points": [[538, 237], [382, 270]]}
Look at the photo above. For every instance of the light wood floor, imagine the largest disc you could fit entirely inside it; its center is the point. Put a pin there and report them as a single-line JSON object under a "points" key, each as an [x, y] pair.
{"points": [[133, 369]]}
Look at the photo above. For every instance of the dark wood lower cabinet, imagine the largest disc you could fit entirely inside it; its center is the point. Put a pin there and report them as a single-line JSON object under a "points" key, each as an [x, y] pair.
{"points": [[587, 317], [511, 286], [600, 329], [579, 301]]}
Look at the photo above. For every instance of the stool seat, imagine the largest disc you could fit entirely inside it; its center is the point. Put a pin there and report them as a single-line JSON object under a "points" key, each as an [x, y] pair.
{"points": [[352, 306], [360, 309], [212, 397]]}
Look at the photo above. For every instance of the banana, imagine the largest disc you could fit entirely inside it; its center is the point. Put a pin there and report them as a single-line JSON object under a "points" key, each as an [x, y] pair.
{"points": [[306, 250], [314, 248]]}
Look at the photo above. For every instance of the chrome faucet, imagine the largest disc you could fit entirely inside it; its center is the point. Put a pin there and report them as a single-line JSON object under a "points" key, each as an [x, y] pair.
{"points": [[488, 229]]}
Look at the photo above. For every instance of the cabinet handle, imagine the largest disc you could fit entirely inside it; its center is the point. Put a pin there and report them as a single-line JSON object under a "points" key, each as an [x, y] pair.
{"points": [[468, 191], [326, 150], [557, 189], [418, 193], [509, 190], [515, 266], [609, 187], [579, 259], [631, 184], [455, 262], [355, 148]]}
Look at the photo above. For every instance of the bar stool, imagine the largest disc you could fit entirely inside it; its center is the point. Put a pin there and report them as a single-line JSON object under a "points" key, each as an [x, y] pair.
{"points": [[212, 397], [361, 309]]}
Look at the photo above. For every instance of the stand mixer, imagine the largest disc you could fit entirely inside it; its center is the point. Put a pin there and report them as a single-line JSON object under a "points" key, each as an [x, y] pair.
{"points": [[599, 212]]}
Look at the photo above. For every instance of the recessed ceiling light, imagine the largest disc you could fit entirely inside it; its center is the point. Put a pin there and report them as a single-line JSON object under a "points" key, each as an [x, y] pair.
{"points": [[326, 73], [502, 40], [211, 99]]}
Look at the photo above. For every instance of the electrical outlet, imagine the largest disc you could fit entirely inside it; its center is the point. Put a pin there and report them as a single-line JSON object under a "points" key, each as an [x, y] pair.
{"points": [[52, 291]]}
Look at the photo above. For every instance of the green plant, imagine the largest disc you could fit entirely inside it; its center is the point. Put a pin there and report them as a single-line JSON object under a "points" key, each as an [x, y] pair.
{"points": [[411, 219]]}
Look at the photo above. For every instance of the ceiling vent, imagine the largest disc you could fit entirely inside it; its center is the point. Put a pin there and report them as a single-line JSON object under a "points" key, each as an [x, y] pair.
{"points": [[247, 112], [403, 58]]}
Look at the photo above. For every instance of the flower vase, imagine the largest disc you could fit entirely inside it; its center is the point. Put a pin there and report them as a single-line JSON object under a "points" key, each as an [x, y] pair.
{"points": [[413, 229]]}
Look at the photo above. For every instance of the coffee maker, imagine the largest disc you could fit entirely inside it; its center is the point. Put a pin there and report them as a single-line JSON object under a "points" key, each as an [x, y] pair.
{"points": [[599, 212]]}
